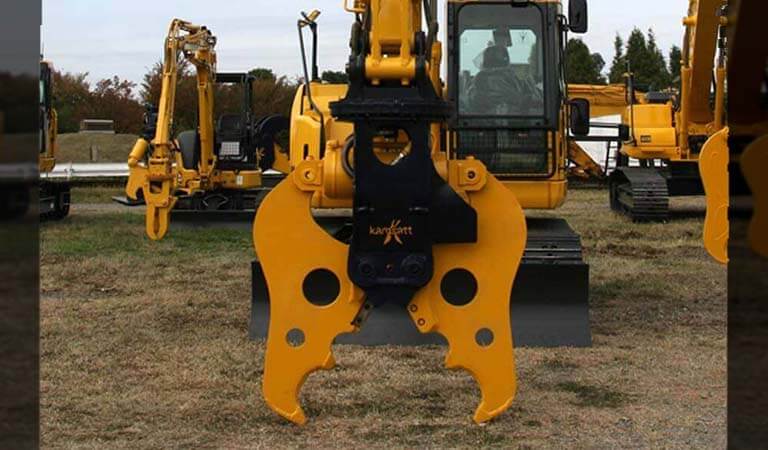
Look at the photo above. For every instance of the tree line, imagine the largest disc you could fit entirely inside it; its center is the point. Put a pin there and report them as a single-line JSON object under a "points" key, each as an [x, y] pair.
{"points": [[640, 54], [125, 102]]}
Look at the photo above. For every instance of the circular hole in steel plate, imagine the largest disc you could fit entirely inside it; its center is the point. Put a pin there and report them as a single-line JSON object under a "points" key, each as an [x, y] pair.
{"points": [[458, 287], [484, 337], [295, 337], [321, 287]]}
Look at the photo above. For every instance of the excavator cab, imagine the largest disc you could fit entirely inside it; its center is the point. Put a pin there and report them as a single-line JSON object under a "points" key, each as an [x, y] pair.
{"points": [[235, 145], [505, 100], [507, 87]]}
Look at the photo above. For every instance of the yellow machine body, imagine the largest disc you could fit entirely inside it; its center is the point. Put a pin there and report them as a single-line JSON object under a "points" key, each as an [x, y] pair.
{"points": [[748, 114], [155, 163], [47, 159], [53, 195], [686, 128], [661, 131], [604, 100], [543, 193]]}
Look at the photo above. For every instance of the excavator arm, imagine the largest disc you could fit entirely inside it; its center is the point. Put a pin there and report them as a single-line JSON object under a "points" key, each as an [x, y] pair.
{"points": [[154, 162], [704, 39], [49, 120], [605, 100], [584, 166]]}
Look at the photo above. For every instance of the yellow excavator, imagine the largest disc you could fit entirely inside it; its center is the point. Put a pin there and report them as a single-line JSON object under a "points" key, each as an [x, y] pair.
{"points": [[672, 135], [218, 166], [54, 195], [436, 178], [748, 122]]}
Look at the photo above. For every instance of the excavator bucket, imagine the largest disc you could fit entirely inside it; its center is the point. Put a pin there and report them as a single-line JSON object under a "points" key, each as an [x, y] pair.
{"points": [[713, 166], [313, 300]]}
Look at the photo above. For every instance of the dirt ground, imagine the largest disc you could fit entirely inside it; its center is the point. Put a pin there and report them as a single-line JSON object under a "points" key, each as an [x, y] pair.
{"points": [[145, 345]]}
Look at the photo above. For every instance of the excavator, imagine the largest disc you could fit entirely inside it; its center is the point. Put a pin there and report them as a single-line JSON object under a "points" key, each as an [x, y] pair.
{"points": [[436, 177], [675, 137], [604, 100], [221, 164], [748, 237], [54, 195], [748, 137]]}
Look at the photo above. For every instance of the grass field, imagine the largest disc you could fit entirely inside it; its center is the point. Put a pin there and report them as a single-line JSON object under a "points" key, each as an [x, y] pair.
{"points": [[76, 147], [145, 345]]}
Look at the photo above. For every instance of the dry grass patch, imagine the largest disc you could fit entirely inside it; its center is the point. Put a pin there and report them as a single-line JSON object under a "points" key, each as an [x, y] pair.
{"points": [[76, 147], [145, 345]]}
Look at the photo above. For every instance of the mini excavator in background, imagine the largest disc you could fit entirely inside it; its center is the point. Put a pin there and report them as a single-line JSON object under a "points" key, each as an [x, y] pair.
{"points": [[436, 179], [54, 195], [218, 166], [670, 135]]}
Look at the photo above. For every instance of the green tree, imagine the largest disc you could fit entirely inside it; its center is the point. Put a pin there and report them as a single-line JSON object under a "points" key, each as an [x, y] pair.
{"points": [[619, 64], [599, 63], [675, 60], [271, 95], [74, 100], [185, 111], [583, 67], [261, 73], [71, 99], [660, 78], [334, 77], [644, 59], [114, 99], [637, 58]]}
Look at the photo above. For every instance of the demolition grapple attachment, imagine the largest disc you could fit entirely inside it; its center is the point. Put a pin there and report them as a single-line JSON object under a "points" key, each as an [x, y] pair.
{"points": [[438, 236], [313, 300], [713, 166], [753, 161]]}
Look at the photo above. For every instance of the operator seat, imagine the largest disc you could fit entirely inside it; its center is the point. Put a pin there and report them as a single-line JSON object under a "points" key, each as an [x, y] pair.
{"points": [[498, 89]]}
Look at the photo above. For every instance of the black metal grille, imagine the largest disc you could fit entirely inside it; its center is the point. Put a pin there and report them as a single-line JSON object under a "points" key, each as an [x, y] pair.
{"points": [[507, 152]]}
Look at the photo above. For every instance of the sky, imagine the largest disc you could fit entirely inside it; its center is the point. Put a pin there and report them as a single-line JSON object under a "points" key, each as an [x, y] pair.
{"points": [[125, 38]]}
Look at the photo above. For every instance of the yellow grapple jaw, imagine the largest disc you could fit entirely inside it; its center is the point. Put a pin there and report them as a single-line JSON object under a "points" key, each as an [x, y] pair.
{"points": [[713, 167], [752, 162], [291, 246], [157, 183]]}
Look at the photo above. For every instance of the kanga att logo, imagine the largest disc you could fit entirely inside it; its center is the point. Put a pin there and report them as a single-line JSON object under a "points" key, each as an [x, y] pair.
{"points": [[392, 232]]}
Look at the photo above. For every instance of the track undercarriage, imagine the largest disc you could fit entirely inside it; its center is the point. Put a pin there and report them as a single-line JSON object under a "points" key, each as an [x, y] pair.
{"points": [[54, 200], [642, 193]]}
